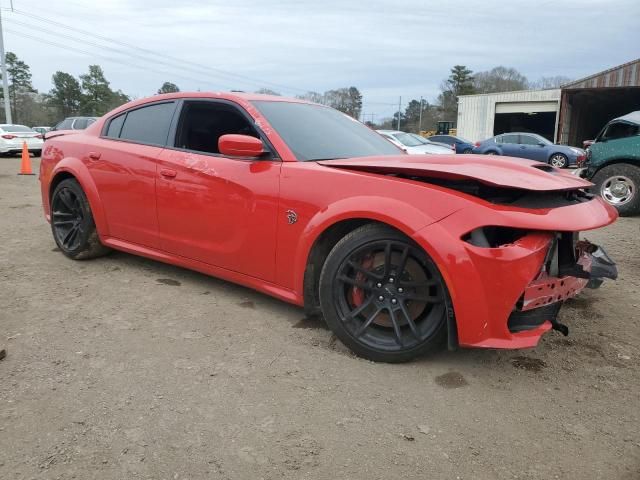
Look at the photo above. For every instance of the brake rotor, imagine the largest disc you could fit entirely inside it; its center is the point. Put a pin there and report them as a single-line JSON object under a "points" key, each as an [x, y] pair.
{"points": [[413, 272]]}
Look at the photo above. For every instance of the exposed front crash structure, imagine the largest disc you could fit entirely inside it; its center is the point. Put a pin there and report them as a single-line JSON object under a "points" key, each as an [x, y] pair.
{"points": [[519, 270]]}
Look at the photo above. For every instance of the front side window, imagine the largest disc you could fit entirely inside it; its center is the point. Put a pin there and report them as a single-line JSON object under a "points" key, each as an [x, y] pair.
{"points": [[315, 132], [620, 130], [528, 140], [149, 125], [203, 123]]}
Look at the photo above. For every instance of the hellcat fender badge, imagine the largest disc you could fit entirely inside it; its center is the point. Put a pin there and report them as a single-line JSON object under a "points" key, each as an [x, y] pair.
{"points": [[292, 217]]}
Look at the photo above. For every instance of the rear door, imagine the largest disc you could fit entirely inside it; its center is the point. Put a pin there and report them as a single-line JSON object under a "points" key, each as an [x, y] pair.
{"points": [[510, 145], [122, 163]]}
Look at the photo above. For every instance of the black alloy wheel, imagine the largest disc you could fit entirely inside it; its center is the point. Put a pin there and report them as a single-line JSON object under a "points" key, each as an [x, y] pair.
{"points": [[72, 224], [388, 301]]}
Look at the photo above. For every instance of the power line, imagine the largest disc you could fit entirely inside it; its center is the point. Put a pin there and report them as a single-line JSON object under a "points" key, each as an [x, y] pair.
{"points": [[174, 60], [143, 67]]}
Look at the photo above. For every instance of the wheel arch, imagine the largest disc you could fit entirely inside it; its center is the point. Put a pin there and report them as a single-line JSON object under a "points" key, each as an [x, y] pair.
{"points": [[73, 168], [626, 160]]}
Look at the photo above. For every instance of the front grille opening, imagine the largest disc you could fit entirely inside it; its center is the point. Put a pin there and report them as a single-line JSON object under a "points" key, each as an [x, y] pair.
{"points": [[494, 236]]}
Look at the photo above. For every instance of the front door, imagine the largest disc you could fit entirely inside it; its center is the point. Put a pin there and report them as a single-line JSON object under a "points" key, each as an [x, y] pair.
{"points": [[216, 209]]}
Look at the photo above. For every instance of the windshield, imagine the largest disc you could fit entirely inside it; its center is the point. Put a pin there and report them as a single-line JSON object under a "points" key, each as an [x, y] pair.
{"points": [[407, 139], [17, 129], [315, 132]]}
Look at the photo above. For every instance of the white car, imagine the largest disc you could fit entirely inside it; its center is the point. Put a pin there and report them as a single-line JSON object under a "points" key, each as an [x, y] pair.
{"points": [[12, 138], [414, 144]]}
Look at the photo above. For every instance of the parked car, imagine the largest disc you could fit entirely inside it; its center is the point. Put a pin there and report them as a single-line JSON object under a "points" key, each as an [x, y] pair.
{"points": [[12, 138], [41, 130], [532, 147], [613, 163], [461, 145], [425, 141], [397, 252], [74, 123], [412, 145]]}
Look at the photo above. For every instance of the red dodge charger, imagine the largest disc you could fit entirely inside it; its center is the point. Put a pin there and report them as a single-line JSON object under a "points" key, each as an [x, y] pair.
{"points": [[399, 253]]}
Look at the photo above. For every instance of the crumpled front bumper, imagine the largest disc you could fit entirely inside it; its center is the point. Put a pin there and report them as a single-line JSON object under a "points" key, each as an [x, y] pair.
{"points": [[509, 296]]}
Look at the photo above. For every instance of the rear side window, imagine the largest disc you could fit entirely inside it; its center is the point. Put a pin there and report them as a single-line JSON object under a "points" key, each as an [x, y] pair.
{"points": [[65, 124], [509, 139], [80, 124], [149, 124], [115, 126]]}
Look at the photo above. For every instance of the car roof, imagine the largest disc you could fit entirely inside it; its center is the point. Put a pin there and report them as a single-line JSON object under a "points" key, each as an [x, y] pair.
{"points": [[633, 117], [390, 132], [12, 125]]}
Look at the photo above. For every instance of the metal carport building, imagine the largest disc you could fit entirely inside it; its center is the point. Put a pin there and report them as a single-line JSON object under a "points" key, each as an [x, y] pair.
{"points": [[586, 105]]}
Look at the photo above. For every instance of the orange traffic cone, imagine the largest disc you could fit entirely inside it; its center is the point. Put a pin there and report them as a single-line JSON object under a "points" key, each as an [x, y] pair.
{"points": [[25, 165]]}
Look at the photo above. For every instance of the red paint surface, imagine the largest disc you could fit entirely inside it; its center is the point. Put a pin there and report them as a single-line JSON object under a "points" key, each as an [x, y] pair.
{"points": [[228, 216]]}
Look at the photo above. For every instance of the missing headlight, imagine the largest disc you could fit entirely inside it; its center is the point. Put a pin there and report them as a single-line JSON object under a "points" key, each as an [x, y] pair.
{"points": [[493, 237]]}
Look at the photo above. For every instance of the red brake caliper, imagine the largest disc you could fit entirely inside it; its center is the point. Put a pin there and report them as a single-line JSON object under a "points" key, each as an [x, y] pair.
{"points": [[357, 294]]}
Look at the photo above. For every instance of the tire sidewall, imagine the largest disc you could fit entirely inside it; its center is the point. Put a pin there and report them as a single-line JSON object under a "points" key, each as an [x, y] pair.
{"points": [[342, 250], [88, 225]]}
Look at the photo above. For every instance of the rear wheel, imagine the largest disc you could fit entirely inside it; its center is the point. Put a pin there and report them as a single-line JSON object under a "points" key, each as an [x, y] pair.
{"points": [[467, 150], [74, 230], [491, 152], [618, 184], [559, 160], [383, 296]]}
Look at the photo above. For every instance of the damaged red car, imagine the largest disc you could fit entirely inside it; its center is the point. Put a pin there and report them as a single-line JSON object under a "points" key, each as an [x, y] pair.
{"points": [[399, 253]]}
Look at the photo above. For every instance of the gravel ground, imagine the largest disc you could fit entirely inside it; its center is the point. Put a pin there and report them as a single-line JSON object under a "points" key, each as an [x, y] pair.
{"points": [[124, 368]]}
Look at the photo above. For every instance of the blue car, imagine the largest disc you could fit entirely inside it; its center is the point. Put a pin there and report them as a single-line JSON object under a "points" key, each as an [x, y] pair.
{"points": [[532, 147], [461, 145]]}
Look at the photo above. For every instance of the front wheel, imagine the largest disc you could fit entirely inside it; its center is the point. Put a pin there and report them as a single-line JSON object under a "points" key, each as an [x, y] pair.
{"points": [[383, 296], [618, 185], [72, 222], [559, 160]]}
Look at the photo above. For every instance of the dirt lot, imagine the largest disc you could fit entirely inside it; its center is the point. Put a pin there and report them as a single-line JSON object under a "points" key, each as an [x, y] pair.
{"points": [[123, 368]]}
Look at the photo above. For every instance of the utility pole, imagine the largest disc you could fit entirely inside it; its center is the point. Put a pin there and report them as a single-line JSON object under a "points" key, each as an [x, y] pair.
{"points": [[420, 118], [399, 106], [5, 80]]}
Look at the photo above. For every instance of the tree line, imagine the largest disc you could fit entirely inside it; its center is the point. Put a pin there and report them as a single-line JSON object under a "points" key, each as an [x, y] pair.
{"points": [[91, 95]]}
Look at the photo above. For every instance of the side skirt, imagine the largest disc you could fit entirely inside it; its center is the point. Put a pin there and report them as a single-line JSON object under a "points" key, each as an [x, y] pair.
{"points": [[254, 283]]}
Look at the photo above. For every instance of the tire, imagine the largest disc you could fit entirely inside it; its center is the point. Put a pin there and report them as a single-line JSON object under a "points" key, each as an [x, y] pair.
{"points": [[467, 151], [37, 153], [619, 186], [491, 152], [72, 225], [559, 160], [379, 313]]}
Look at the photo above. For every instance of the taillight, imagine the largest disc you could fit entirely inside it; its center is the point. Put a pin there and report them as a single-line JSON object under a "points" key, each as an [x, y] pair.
{"points": [[477, 144], [8, 136], [581, 160]]}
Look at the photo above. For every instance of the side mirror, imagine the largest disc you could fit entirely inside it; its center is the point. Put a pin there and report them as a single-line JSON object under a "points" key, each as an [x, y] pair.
{"points": [[540, 144], [235, 145]]}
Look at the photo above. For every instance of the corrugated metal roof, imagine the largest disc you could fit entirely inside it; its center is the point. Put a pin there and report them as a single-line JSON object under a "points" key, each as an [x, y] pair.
{"points": [[625, 75]]}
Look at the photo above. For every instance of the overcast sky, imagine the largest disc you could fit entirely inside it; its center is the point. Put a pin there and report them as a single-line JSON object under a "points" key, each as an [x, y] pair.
{"points": [[387, 48]]}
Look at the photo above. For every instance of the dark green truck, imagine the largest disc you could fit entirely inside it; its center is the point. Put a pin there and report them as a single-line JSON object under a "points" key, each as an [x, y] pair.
{"points": [[613, 163]]}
